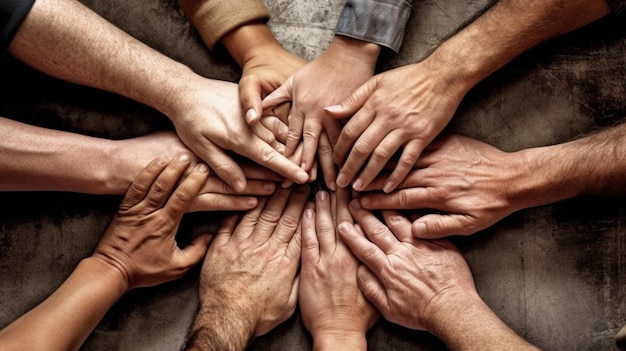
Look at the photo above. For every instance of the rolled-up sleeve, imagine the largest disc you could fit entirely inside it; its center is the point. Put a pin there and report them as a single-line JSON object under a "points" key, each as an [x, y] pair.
{"points": [[618, 6], [377, 21], [215, 18], [12, 14]]}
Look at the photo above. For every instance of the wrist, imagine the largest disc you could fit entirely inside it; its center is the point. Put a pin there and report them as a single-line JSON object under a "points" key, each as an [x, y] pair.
{"points": [[249, 41], [220, 327], [102, 272], [353, 50], [339, 340]]}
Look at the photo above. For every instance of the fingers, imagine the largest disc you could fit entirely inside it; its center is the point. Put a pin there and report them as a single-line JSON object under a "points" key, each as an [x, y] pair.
{"points": [[289, 222], [407, 161], [325, 156], [372, 289], [375, 230], [411, 198], [250, 95], [225, 167], [264, 155], [192, 254], [342, 204], [137, 190], [433, 226], [365, 250], [310, 137], [277, 127], [221, 202], [166, 181], [282, 94], [399, 225], [344, 147], [185, 193], [296, 124], [325, 225], [253, 187], [310, 244]]}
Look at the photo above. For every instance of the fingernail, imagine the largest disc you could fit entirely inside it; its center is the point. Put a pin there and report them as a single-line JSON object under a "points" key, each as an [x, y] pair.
{"points": [[202, 168], [333, 108], [419, 229], [252, 202], [302, 177], [365, 200], [269, 187], [343, 227], [183, 158], [358, 185], [250, 115], [322, 195], [308, 213], [238, 186], [355, 205], [332, 186], [388, 187], [281, 149], [342, 180]]}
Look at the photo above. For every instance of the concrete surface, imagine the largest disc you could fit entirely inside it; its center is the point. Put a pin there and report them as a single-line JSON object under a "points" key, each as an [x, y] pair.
{"points": [[555, 274]]}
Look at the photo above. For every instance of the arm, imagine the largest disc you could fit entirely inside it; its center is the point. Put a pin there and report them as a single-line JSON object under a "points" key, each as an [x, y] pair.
{"points": [[67, 40], [138, 249], [474, 185], [41, 159], [249, 283], [409, 106], [423, 285], [333, 308]]}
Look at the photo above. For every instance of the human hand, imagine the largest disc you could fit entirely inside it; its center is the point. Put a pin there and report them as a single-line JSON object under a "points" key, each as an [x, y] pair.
{"points": [[140, 241], [401, 109], [248, 283], [130, 156], [333, 308], [345, 65], [411, 281], [208, 120], [471, 185]]}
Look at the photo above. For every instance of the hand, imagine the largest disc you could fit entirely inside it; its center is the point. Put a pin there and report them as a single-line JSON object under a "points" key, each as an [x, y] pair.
{"points": [[401, 109], [333, 308], [209, 121], [248, 283], [470, 184], [345, 65], [409, 280], [140, 241]]}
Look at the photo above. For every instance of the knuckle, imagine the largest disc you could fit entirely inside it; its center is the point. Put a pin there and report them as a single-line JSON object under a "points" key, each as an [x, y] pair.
{"points": [[310, 135], [350, 132], [361, 149], [183, 195], [382, 153], [293, 134], [288, 222]]}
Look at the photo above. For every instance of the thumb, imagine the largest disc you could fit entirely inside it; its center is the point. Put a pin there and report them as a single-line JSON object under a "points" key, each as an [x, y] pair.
{"points": [[280, 95], [193, 253], [435, 226], [352, 103]]}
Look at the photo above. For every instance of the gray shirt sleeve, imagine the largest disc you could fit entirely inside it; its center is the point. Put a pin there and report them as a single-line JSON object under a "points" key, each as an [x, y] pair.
{"points": [[376, 21], [617, 5]]}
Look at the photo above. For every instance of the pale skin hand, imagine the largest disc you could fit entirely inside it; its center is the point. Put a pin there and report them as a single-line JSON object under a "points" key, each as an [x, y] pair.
{"points": [[345, 65], [402, 108], [137, 249], [407, 107], [249, 280], [65, 39], [471, 185], [265, 65], [41, 159], [423, 284], [333, 308]]}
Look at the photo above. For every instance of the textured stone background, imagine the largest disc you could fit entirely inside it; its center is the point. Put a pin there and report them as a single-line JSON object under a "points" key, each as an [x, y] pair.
{"points": [[555, 274]]}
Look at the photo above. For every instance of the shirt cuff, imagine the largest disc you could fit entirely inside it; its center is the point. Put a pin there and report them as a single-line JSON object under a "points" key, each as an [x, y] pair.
{"points": [[12, 14], [381, 21]]}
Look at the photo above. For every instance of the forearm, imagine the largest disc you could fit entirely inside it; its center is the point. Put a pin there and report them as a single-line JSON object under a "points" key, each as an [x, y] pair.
{"points": [[66, 318], [469, 324], [65, 39], [40, 159], [592, 165], [217, 329], [506, 30], [247, 41]]}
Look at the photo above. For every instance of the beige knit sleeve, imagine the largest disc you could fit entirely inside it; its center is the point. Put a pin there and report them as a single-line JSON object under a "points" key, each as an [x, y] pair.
{"points": [[215, 18]]}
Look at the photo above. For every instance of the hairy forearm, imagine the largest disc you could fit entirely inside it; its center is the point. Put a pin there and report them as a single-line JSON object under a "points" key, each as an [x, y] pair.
{"points": [[66, 318], [507, 29], [41, 159], [468, 324], [219, 329], [65, 39], [592, 165]]}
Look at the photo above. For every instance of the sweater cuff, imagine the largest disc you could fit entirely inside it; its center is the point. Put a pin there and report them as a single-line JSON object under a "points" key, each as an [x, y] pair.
{"points": [[618, 6], [380, 22], [216, 18]]}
